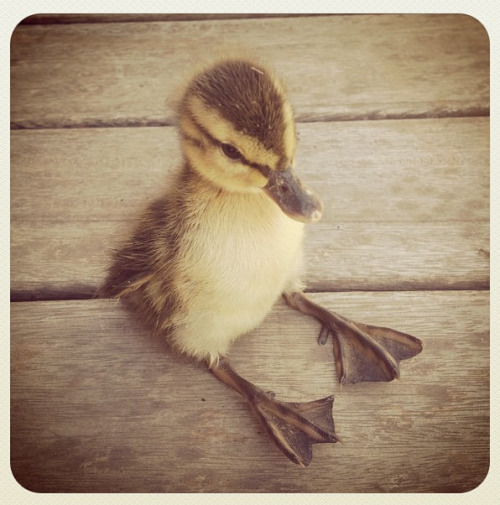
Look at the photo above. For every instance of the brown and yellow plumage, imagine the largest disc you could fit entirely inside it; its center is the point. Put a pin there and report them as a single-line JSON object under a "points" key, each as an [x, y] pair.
{"points": [[208, 259]]}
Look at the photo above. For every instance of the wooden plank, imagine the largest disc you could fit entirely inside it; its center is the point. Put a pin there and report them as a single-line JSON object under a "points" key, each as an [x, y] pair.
{"points": [[99, 406], [406, 203], [402, 171], [120, 74], [58, 260]]}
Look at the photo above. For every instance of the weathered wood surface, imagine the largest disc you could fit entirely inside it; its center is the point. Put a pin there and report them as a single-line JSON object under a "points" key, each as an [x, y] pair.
{"points": [[337, 67], [68, 260], [406, 202], [98, 406], [402, 171]]}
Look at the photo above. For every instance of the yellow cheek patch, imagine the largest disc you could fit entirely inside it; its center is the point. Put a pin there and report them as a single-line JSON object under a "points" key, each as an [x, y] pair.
{"points": [[289, 135], [190, 129], [209, 119]]}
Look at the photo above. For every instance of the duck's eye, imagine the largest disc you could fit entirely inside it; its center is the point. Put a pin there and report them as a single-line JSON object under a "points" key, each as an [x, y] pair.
{"points": [[230, 151]]}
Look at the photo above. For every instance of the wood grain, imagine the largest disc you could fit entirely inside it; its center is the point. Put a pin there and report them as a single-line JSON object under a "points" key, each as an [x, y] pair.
{"points": [[58, 261], [84, 74], [98, 405], [400, 171], [406, 203]]}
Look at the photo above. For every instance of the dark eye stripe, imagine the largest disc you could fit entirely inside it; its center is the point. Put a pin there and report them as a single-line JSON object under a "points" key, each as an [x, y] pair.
{"points": [[263, 169]]}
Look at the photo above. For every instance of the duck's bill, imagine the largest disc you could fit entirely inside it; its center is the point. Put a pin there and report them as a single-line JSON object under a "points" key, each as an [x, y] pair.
{"points": [[295, 200]]}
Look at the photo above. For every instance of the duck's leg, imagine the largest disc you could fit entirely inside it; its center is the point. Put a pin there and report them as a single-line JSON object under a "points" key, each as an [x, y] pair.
{"points": [[294, 427], [362, 352]]}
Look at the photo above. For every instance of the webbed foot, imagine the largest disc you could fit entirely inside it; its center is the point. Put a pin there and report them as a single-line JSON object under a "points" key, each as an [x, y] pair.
{"points": [[362, 352], [294, 427]]}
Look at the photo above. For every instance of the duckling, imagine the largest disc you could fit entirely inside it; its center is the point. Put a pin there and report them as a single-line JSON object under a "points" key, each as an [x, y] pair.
{"points": [[207, 260]]}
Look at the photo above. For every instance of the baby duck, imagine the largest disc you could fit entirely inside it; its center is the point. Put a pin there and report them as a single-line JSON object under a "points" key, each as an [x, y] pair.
{"points": [[207, 261]]}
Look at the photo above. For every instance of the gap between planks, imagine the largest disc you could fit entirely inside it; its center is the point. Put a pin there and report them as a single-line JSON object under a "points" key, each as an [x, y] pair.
{"points": [[58, 19], [88, 293], [465, 112]]}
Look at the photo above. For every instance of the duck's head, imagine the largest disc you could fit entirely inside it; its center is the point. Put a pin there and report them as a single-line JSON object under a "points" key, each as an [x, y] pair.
{"points": [[238, 132]]}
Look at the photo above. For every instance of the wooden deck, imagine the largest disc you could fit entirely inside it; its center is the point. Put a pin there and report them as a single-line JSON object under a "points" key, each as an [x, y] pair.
{"points": [[393, 116]]}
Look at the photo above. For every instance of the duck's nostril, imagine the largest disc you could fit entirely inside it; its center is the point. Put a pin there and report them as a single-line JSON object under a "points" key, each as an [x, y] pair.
{"points": [[283, 187]]}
